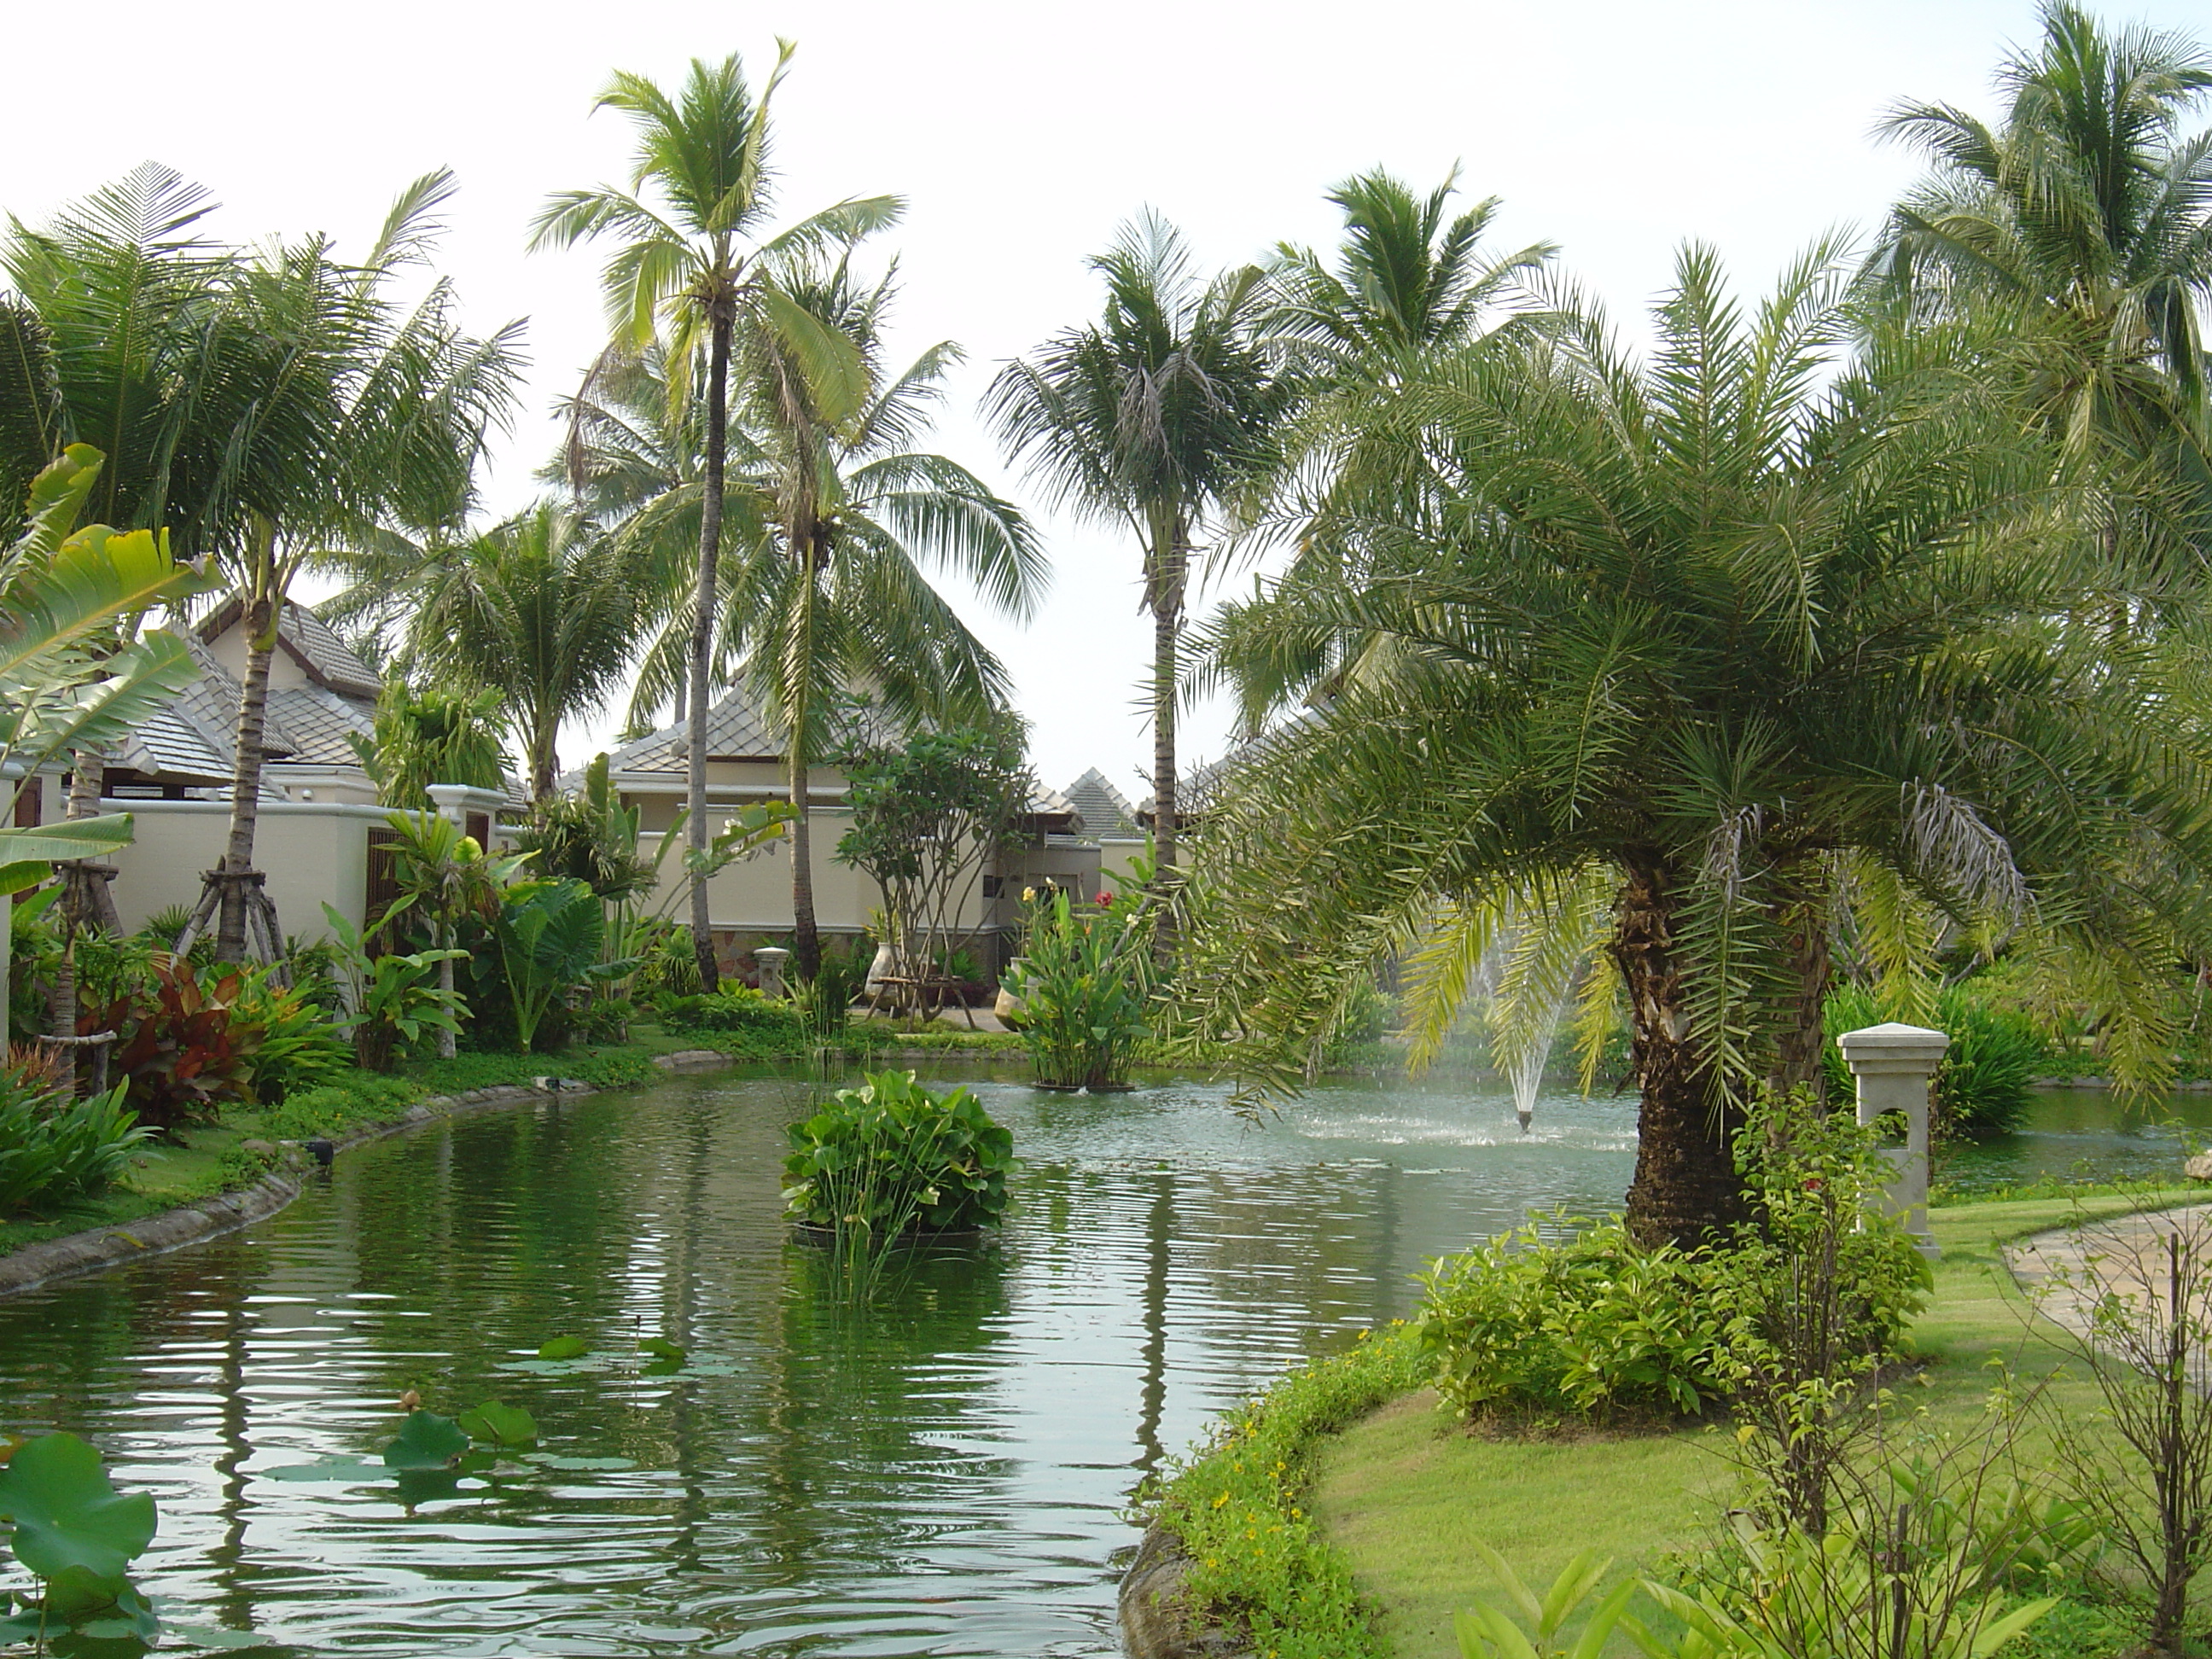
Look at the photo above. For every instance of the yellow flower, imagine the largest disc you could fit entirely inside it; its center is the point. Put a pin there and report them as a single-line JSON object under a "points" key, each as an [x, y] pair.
{"points": [[1028, 896]]}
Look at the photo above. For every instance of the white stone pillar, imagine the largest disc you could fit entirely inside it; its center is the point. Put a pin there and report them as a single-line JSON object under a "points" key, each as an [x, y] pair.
{"points": [[1895, 1065], [771, 958]]}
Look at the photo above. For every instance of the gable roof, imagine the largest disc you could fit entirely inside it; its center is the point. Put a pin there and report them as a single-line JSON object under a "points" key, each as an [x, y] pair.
{"points": [[1105, 810], [307, 639]]}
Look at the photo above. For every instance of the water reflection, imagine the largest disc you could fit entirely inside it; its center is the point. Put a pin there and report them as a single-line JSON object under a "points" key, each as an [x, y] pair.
{"points": [[943, 1471]]}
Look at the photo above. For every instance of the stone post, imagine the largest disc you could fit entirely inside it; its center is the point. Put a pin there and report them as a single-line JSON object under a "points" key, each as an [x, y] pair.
{"points": [[1895, 1065], [771, 958]]}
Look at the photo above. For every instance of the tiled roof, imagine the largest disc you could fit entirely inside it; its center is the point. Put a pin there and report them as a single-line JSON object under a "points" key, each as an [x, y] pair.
{"points": [[317, 723], [167, 749], [325, 656], [735, 731], [1105, 810]]}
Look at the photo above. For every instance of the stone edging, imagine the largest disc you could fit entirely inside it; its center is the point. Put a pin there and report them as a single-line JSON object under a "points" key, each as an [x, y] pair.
{"points": [[1155, 1623], [210, 1218]]}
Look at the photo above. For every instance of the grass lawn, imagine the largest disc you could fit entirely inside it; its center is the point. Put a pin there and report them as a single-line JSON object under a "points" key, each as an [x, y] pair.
{"points": [[1405, 1495]]}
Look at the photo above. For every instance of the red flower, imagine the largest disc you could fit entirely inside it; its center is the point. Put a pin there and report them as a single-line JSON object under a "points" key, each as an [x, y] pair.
{"points": [[1105, 898], [1812, 1183]]}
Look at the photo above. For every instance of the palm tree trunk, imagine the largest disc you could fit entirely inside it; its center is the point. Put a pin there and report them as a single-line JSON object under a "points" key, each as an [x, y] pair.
{"points": [[1171, 562], [1685, 1185], [448, 1045], [805, 932], [260, 623], [702, 640], [1803, 914]]}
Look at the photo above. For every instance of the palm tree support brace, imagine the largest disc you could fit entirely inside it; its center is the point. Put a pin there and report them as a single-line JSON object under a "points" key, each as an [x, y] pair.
{"points": [[265, 939]]}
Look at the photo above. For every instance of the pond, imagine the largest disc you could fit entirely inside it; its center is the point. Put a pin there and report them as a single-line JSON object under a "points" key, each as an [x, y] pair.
{"points": [[943, 1471]]}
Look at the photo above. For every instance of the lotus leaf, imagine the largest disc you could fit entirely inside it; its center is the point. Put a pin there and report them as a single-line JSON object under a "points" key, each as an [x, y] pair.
{"points": [[66, 1513]]}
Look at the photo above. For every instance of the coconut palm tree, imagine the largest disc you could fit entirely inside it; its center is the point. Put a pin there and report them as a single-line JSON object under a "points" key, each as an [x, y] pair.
{"points": [[1709, 627], [365, 412], [1155, 418], [838, 519], [542, 610], [2085, 216], [694, 257]]}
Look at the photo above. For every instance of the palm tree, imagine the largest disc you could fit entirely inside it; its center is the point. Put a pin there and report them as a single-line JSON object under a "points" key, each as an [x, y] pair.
{"points": [[365, 412], [1155, 418], [842, 602], [1715, 629], [2084, 216], [696, 261], [540, 610], [1407, 285], [266, 409], [837, 517]]}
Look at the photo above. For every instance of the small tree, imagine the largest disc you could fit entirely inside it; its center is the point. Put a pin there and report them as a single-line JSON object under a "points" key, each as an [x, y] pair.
{"points": [[2129, 1298], [927, 817], [434, 735]]}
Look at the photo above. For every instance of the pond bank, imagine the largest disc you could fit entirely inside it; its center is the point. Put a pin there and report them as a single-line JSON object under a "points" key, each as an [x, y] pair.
{"points": [[1397, 1498], [99, 1248]]}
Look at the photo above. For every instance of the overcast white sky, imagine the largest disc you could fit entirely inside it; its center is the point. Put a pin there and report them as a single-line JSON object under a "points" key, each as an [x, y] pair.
{"points": [[1020, 135]]}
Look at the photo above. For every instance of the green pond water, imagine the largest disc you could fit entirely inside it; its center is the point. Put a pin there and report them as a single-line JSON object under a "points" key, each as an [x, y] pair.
{"points": [[942, 1471]]}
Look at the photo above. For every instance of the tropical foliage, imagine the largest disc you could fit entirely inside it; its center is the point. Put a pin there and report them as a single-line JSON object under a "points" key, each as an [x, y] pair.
{"points": [[696, 255], [1156, 419], [889, 1158], [1083, 981]]}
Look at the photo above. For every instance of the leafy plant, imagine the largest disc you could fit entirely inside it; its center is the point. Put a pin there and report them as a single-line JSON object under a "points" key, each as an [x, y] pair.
{"points": [[549, 934], [1824, 1284], [736, 1009], [181, 1051], [300, 1047], [54, 1147], [1489, 1632], [77, 1536], [889, 1158], [1082, 979], [1592, 1327], [392, 997], [929, 818], [1982, 1087]]}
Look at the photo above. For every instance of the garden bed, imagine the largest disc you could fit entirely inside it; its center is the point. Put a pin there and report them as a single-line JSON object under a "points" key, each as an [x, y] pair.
{"points": [[1350, 1509]]}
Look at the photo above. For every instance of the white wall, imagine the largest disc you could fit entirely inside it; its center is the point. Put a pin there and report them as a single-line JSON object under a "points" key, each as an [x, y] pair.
{"points": [[313, 853]]}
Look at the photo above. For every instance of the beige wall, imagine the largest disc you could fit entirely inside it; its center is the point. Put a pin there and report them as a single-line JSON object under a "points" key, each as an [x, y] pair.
{"points": [[313, 851]]}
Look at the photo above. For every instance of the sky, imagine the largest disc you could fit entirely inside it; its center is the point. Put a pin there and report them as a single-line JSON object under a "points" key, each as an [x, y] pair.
{"points": [[1021, 136]]}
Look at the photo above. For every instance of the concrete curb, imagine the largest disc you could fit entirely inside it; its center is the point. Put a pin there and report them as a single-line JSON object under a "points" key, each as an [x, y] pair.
{"points": [[211, 1218], [1155, 1623]]}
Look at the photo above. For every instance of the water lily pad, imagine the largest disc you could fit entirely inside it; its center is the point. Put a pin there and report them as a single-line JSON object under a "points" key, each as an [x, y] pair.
{"points": [[661, 1348], [67, 1514], [563, 1347], [426, 1441], [500, 1425], [549, 1460], [328, 1468]]}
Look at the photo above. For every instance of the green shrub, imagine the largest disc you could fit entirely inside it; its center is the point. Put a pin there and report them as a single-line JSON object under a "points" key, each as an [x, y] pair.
{"points": [[1982, 1087], [735, 1010], [55, 1149], [1260, 1564], [299, 1047], [1593, 1325], [1593, 1328], [890, 1157]]}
